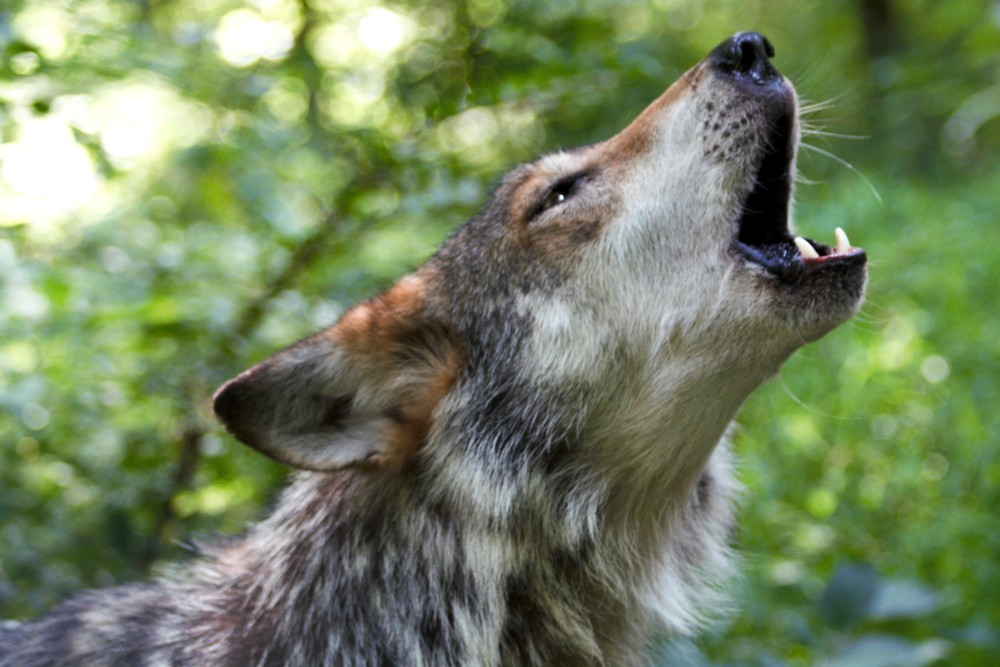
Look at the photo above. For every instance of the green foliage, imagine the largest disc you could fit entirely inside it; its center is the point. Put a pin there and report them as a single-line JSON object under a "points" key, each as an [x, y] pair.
{"points": [[861, 620], [187, 186]]}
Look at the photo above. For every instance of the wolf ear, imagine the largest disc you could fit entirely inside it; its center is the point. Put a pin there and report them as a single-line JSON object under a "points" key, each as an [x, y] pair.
{"points": [[361, 393]]}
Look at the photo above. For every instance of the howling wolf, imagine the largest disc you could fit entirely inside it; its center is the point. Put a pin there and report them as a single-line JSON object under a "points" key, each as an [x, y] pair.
{"points": [[516, 454]]}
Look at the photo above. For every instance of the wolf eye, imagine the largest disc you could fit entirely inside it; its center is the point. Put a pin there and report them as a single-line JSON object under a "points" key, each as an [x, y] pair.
{"points": [[555, 198], [560, 192]]}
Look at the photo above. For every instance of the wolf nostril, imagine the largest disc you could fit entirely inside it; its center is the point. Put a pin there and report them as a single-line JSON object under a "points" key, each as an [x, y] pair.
{"points": [[746, 55], [751, 52], [766, 43]]}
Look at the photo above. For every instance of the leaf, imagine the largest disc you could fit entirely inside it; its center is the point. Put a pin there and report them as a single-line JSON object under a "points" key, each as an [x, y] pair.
{"points": [[903, 598], [887, 651], [848, 597], [680, 652]]}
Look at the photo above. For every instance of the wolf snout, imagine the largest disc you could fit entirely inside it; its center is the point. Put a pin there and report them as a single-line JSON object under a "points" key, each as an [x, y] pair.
{"points": [[746, 56]]}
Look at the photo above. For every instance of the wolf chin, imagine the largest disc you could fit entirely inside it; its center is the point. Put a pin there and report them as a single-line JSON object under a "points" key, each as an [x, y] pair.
{"points": [[515, 455]]}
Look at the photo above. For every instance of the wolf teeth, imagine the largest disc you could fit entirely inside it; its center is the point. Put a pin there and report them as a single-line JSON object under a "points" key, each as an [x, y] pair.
{"points": [[843, 243], [842, 247], [805, 248]]}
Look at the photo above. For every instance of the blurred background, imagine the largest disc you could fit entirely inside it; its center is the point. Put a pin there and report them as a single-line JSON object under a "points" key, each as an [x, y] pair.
{"points": [[186, 186]]}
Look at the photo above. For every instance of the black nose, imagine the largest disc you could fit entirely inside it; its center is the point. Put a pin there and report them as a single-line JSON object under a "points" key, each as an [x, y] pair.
{"points": [[746, 55]]}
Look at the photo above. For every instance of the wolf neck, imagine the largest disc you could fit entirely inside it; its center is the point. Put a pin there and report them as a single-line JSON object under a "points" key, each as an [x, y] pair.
{"points": [[627, 478], [646, 497], [524, 593], [655, 433], [565, 550], [557, 574]]}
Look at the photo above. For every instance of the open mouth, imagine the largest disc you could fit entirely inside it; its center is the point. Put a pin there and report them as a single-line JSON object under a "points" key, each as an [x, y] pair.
{"points": [[763, 226]]}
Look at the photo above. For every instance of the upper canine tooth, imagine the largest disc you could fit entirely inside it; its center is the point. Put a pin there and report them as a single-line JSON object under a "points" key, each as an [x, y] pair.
{"points": [[843, 244], [805, 248]]}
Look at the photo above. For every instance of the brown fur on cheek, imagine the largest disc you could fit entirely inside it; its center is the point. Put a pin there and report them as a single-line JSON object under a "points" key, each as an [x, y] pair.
{"points": [[581, 223], [526, 193], [637, 139], [561, 230]]}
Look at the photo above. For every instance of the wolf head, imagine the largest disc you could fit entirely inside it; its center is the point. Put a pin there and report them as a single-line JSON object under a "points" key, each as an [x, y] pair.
{"points": [[608, 309]]}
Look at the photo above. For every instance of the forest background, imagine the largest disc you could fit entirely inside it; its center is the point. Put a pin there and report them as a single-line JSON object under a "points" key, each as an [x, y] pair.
{"points": [[189, 185]]}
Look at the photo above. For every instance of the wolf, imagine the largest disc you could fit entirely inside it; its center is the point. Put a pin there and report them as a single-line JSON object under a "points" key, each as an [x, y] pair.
{"points": [[515, 455]]}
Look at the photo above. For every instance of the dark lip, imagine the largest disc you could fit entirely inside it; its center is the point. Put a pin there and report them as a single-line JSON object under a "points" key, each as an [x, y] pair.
{"points": [[784, 260], [763, 236]]}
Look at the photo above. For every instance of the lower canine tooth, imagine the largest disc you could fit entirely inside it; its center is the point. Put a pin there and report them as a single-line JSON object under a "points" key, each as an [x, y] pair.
{"points": [[843, 244], [805, 248]]}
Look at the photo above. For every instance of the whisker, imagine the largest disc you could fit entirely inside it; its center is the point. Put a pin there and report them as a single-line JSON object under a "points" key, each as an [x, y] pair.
{"points": [[809, 109], [812, 132], [806, 107], [811, 408], [847, 164]]}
